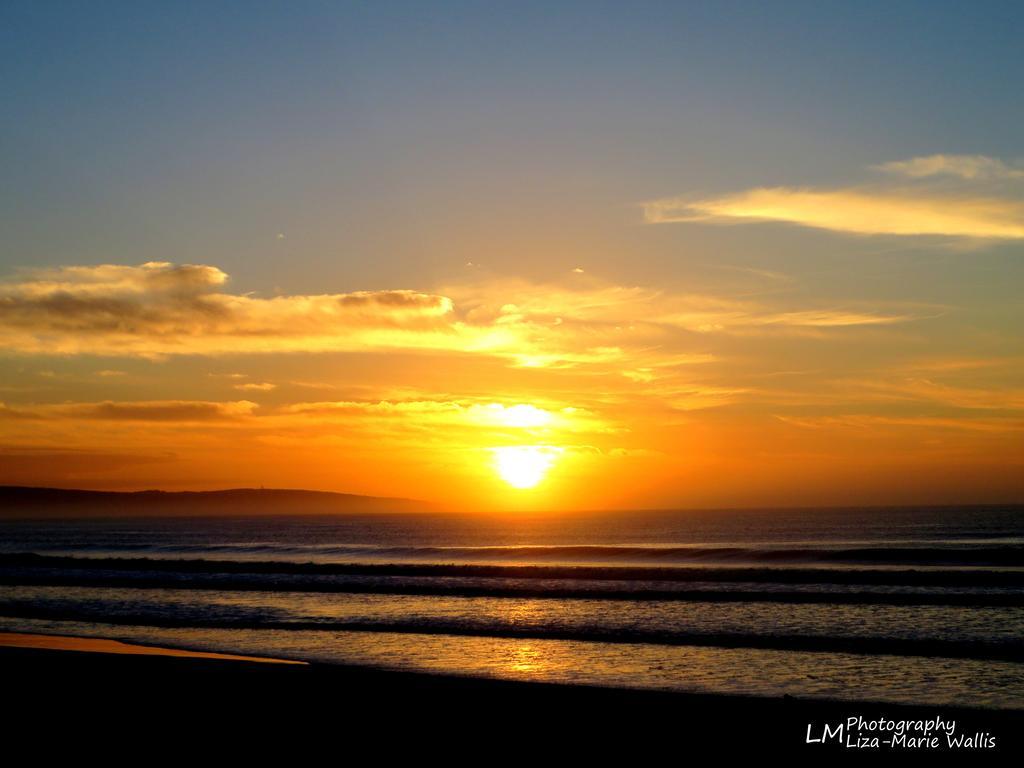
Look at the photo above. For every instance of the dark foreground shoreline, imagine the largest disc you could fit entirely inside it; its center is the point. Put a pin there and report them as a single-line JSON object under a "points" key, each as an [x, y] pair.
{"points": [[115, 705]]}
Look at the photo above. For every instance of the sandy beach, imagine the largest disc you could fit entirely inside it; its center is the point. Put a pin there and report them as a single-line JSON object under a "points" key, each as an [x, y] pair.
{"points": [[88, 686]]}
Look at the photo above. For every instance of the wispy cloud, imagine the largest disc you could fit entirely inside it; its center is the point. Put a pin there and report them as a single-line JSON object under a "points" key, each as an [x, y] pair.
{"points": [[469, 414], [928, 390], [870, 423], [969, 209], [971, 167], [829, 318], [155, 410], [263, 386], [855, 211]]}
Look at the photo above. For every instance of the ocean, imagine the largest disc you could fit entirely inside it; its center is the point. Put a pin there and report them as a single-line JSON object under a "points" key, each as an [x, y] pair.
{"points": [[907, 605]]}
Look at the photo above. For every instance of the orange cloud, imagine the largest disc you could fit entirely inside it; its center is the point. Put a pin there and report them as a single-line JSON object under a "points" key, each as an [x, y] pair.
{"points": [[157, 410], [869, 423], [479, 415], [927, 390], [158, 310]]}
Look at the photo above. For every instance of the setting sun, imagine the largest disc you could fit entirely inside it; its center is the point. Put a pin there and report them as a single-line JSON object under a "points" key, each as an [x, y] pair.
{"points": [[524, 466]]}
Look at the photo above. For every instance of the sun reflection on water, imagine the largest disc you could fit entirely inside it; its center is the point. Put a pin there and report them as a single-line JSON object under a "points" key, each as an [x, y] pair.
{"points": [[525, 658]]}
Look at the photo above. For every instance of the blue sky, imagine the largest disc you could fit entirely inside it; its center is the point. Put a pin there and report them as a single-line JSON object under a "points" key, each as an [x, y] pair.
{"points": [[389, 140]]}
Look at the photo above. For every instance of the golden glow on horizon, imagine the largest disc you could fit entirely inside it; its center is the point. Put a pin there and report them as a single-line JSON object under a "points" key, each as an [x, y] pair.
{"points": [[525, 466], [600, 394]]}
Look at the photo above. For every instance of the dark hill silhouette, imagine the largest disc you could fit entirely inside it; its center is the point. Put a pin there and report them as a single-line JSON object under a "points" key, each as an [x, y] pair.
{"points": [[21, 502]]}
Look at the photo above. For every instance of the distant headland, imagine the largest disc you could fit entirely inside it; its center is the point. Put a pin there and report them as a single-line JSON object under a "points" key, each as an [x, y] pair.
{"points": [[29, 502]]}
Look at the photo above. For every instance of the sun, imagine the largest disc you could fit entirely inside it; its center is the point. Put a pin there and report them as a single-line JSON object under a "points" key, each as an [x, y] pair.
{"points": [[524, 466]]}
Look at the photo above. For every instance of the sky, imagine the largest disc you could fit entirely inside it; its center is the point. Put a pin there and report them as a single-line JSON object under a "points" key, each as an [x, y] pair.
{"points": [[515, 256]]}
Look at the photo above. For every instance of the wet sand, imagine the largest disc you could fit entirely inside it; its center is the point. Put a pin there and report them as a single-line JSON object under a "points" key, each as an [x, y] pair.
{"points": [[102, 645]]}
